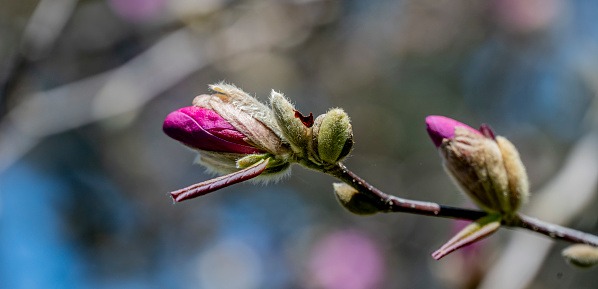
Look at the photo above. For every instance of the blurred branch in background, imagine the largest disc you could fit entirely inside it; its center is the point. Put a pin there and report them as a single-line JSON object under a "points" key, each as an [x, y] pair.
{"points": [[136, 82], [107, 94], [43, 28]]}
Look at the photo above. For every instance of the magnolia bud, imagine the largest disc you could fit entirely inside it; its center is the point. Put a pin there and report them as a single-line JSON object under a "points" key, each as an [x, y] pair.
{"points": [[581, 255], [290, 121], [332, 137], [227, 126], [356, 202], [486, 167]]}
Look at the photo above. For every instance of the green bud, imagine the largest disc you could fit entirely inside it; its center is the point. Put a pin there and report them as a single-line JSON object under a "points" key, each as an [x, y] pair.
{"points": [[356, 202], [291, 122], [332, 136], [250, 160], [581, 255], [276, 164]]}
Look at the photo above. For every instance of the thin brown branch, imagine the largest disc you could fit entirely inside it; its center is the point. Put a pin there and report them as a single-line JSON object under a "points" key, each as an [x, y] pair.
{"points": [[391, 203], [396, 204], [555, 231]]}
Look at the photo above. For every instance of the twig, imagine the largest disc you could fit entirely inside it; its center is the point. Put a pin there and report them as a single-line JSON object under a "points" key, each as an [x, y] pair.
{"points": [[555, 231], [396, 204]]}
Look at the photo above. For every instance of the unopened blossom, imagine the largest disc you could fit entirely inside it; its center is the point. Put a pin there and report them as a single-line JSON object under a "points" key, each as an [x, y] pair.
{"points": [[239, 136], [324, 141], [233, 133], [487, 168], [332, 137]]}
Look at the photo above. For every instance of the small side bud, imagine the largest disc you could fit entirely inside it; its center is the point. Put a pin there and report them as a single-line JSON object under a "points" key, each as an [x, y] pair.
{"points": [[290, 122], [250, 160], [581, 255], [356, 202], [332, 136]]}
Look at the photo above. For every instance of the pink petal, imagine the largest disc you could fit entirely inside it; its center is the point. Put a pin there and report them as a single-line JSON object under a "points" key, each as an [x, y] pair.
{"points": [[204, 129], [440, 127]]}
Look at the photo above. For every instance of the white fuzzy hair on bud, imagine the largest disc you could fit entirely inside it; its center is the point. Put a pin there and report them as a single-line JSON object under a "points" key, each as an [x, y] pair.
{"points": [[293, 129], [248, 104]]}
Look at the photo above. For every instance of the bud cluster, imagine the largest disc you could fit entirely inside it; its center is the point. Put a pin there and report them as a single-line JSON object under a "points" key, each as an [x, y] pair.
{"points": [[325, 141], [240, 137], [235, 134]]}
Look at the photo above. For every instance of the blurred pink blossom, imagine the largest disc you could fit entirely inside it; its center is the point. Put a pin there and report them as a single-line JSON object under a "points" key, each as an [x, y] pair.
{"points": [[527, 16], [346, 260], [137, 10]]}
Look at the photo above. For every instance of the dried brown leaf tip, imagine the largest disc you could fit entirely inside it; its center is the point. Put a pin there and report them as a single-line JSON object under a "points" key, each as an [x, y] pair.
{"points": [[308, 121]]}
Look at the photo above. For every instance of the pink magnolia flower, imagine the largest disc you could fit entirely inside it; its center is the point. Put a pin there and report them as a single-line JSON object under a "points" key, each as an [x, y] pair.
{"points": [[204, 129]]}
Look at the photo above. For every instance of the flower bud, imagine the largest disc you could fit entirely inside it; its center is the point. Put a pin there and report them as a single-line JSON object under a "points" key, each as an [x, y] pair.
{"points": [[234, 134], [275, 166], [485, 167], [290, 121], [332, 137], [356, 202], [227, 126], [581, 255]]}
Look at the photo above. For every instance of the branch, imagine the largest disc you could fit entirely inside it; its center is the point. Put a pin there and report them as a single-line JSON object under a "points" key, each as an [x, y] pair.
{"points": [[389, 203], [396, 204]]}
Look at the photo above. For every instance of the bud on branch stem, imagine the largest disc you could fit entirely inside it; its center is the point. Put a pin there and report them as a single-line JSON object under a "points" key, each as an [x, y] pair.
{"points": [[238, 136], [393, 204]]}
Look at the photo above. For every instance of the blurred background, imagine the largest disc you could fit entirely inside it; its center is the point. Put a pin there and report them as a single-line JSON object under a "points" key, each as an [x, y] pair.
{"points": [[85, 168]]}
